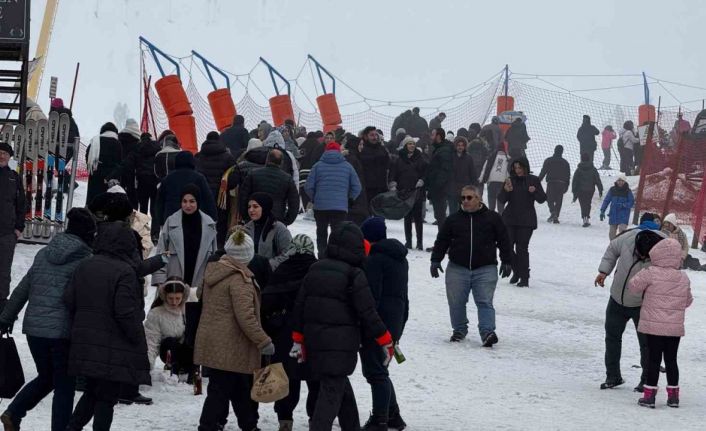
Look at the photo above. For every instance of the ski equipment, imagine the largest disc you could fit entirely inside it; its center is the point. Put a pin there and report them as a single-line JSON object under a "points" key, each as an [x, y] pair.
{"points": [[42, 151], [64, 122], [53, 134], [30, 169]]}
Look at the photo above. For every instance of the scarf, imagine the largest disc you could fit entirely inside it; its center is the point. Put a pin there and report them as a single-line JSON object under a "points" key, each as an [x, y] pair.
{"points": [[94, 150]]}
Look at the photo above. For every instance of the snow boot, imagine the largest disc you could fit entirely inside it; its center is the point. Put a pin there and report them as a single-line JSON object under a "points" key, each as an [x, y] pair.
{"points": [[8, 423], [673, 396], [550, 219], [648, 399], [139, 399], [640, 387], [395, 421], [585, 222], [556, 220], [515, 278], [286, 425], [524, 282], [375, 423], [408, 244], [612, 383], [420, 247], [490, 339], [456, 337]]}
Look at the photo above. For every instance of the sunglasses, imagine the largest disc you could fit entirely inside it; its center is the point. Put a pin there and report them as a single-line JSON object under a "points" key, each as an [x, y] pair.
{"points": [[467, 198]]}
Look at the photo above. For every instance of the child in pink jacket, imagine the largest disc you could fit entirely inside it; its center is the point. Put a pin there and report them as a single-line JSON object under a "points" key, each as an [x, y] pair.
{"points": [[666, 295]]}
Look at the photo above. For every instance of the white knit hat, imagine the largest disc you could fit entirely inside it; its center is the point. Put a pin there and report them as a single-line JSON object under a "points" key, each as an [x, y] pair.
{"points": [[253, 143], [622, 177], [240, 247], [670, 218]]}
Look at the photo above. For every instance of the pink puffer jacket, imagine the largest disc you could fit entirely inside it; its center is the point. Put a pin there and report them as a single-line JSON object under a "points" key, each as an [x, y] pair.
{"points": [[666, 291]]}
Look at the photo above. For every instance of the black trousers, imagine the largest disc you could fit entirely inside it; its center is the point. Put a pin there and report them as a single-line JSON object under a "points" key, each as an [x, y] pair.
{"points": [[494, 204], [227, 387], [147, 199], [415, 216], [555, 197], [616, 319], [439, 205], [378, 377], [7, 253], [336, 398], [606, 157], [585, 203], [182, 356], [659, 347], [626, 161], [324, 219], [520, 238], [221, 228], [97, 402]]}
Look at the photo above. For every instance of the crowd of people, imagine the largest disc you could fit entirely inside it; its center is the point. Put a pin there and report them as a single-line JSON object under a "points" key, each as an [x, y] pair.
{"points": [[235, 289]]}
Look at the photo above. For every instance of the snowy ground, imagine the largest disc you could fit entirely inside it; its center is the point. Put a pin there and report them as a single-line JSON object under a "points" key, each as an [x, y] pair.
{"points": [[543, 375]]}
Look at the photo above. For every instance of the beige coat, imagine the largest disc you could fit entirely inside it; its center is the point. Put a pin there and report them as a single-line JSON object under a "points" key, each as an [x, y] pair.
{"points": [[230, 335]]}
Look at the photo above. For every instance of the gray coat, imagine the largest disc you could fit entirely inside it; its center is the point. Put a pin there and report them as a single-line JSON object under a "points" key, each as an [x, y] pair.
{"points": [[43, 287], [620, 256], [171, 239], [275, 244]]}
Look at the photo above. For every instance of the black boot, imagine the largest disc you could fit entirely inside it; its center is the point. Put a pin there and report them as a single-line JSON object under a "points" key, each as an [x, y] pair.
{"points": [[524, 282], [515, 278], [408, 244], [9, 423], [395, 421], [375, 423], [612, 383]]}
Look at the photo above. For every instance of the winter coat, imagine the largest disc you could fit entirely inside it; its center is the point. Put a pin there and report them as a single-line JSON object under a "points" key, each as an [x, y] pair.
{"points": [[586, 136], [478, 150], [235, 138], [621, 201], [332, 182], [164, 322], [12, 202], [252, 160], [408, 170], [229, 336], [557, 171], [43, 286], [520, 209], [333, 305], [607, 137], [110, 157], [680, 236], [620, 255], [358, 207], [213, 160], [435, 123], [165, 161], [275, 243], [376, 162], [630, 140], [497, 136], [666, 291], [417, 126], [386, 269], [311, 151], [169, 196], [171, 239], [471, 239], [586, 179], [107, 337], [517, 137], [128, 142], [279, 185], [496, 169], [464, 173], [441, 167], [141, 161]]}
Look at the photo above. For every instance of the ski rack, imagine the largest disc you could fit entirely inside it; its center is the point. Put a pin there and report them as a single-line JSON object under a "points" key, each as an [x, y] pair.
{"points": [[154, 51], [210, 66], [319, 69], [274, 72]]}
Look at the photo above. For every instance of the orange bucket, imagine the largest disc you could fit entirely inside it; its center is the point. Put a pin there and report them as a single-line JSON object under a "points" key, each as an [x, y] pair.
{"points": [[505, 103], [184, 127], [328, 107], [646, 113], [172, 95], [222, 107], [281, 107]]}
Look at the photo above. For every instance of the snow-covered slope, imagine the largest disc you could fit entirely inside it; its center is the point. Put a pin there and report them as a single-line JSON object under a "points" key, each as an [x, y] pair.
{"points": [[543, 375]]}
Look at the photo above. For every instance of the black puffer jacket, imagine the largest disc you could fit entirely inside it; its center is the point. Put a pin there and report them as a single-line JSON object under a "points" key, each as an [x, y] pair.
{"points": [[520, 202], [408, 170], [586, 136], [12, 202], [311, 150], [478, 150], [128, 142], [517, 137], [235, 138], [213, 161], [334, 303], [376, 161], [471, 239], [142, 159], [253, 159], [107, 337], [586, 179], [556, 169], [440, 171], [357, 208], [279, 185], [464, 173], [387, 271]]}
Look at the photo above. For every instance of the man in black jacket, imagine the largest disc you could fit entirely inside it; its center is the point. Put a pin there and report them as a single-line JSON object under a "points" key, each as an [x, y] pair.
{"points": [[417, 126], [558, 173], [471, 237], [236, 137], [12, 218], [439, 174], [464, 173], [334, 304], [278, 184], [586, 136], [387, 271], [376, 162]]}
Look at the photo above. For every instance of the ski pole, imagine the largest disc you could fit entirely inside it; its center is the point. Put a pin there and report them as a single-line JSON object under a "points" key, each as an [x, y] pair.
{"points": [[73, 90]]}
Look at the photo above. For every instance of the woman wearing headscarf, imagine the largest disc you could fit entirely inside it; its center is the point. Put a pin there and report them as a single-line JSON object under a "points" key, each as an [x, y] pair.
{"points": [[278, 300], [270, 236], [188, 238], [230, 340]]}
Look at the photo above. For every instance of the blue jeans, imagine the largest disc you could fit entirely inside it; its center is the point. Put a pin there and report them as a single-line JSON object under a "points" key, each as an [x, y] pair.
{"points": [[51, 357], [460, 282]]}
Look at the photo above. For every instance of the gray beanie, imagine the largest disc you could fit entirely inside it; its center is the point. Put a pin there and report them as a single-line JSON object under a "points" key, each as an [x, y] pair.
{"points": [[240, 247]]}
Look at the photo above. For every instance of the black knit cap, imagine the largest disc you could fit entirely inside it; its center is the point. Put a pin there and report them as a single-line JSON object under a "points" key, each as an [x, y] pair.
{"points": [[109, 127], [82, 224], [4, 146]]}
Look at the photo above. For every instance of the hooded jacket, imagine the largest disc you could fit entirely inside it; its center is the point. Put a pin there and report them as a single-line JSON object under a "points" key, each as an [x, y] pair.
{"points": [[387, 271], [332, 182], [107, 337], [520, 209], [235, 138], [607, 137], [517, 137], [164, 322], [103, 169], [586, 136], [621, 201], [169, 197], [213, 160], [666, 291], [165, 159], [335, 302], [556, 169], [376, 162], [43, 286], [141, 161], [586, 179]]}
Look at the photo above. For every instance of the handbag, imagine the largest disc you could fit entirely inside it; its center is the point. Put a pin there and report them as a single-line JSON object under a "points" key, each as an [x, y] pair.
{"points": [[12, 377], [270, 384]]}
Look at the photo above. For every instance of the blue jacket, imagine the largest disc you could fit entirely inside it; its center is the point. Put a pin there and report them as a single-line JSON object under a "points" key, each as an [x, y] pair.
{"points": [[43, 287], [332, 182], [621, 203]]}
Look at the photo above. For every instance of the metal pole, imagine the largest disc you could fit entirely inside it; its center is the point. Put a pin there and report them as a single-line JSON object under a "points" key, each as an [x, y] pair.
{"points": [[73, 89], [507, 78]]}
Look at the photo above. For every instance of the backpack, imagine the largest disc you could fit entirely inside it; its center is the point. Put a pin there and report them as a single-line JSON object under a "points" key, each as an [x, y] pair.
{"points": [[621, 144], [644, 241]]}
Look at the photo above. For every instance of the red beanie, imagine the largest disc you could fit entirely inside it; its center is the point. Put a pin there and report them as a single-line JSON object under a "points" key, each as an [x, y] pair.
{"points": [[57, 103], [333, 146]]}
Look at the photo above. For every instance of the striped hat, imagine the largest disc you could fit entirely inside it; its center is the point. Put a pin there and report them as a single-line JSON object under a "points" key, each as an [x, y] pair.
{"points": [[301, 244]]}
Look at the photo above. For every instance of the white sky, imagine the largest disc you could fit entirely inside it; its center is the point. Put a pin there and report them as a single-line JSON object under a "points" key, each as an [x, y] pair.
{"points": [[389, 50]]}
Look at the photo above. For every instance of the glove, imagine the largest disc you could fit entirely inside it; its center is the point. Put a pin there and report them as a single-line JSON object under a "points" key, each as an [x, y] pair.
{"points": [[602, 216], [392, 186], [435, 268], [388, 347], [298, 353], [505, 270], [6, 328], [268, 350], [575, 199], [420, 183], [600, 195]]}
